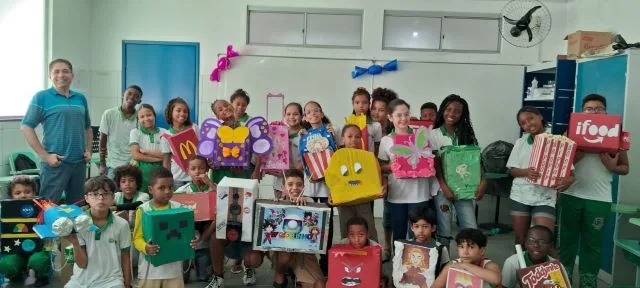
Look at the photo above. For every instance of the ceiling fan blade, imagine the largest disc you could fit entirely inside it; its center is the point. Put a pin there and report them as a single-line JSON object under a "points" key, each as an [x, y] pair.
{"points": [[530, 12], [509, 20], [530, 34]]}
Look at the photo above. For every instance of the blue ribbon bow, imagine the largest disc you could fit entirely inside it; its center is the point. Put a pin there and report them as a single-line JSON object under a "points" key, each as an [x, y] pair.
{"points": [[375, 69]]}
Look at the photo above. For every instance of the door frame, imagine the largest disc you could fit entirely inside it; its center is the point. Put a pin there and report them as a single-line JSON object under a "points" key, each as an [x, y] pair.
{"points": [[173, 43]]}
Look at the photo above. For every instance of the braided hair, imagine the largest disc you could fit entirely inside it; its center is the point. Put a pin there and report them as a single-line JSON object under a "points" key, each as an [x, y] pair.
{"points": [[464, 128]]}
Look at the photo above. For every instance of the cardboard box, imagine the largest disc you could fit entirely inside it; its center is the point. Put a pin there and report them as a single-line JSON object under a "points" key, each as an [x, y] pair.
{"points": [[416, 124], [412, 155], [461, 169], [172, 229], [280, 226], [596, 132], [203, 204], [278, 159], [414, 265], [552, 156], [353, 177], [183, 147], [234, 208], [349, 267], [460, 278], [316, 148], [547, 274], [580, 42]]}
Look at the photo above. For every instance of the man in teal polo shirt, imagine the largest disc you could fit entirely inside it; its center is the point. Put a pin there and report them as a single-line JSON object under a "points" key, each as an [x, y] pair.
{"points": [[64, 115]]}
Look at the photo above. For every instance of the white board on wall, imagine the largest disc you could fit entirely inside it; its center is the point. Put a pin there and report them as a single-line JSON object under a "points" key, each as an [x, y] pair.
{"points": [[493, 93]]}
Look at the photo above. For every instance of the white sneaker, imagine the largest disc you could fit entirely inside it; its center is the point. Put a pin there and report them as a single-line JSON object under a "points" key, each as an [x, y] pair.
{"points": [[249, 278], [216, 282]]}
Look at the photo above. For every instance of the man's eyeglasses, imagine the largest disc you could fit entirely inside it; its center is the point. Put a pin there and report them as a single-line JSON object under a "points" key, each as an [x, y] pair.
{"points": [[539, 242], [100, 195], [594, 109]]}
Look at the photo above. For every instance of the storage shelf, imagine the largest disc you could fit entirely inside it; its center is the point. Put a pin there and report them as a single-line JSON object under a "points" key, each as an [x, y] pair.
{"points": [[544, 67], [538, 99]]}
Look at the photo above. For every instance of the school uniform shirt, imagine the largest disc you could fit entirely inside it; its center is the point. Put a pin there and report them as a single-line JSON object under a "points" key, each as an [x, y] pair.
{"points": [[374, 131], [438, 139], [410, 190], [178, 174], [592, 179], [103, 248], [139, 196], [522, 191], [166, 271], [118, 128], [149, 140], [511, 266], [192, 188]]}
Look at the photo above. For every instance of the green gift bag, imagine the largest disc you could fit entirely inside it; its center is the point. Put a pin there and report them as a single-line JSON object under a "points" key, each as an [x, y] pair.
{"points": [[461, 169], [171, 229]]}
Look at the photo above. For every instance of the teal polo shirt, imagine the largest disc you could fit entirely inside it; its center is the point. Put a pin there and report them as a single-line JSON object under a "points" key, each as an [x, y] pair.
{"points": [[64, 122]]}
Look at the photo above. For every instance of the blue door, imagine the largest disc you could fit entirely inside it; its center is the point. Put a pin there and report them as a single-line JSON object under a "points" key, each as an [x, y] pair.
{"points": [[163, 70], [606, 77]]}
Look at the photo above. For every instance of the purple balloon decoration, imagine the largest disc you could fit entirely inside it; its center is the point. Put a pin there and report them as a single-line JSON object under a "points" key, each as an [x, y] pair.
{"points": [[224, 63]]}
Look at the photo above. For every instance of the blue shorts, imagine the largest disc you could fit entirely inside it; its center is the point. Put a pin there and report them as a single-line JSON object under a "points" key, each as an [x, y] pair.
{"points": [[68, 177]]}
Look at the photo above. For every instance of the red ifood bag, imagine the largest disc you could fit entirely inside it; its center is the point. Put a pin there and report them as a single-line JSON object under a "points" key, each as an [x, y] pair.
{"points": [[596, 132], [349, 267]]}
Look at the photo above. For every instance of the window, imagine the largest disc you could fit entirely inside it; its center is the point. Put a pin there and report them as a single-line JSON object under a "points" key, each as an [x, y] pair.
{"points": [[305, 27], [22, 54], [441, 31]]}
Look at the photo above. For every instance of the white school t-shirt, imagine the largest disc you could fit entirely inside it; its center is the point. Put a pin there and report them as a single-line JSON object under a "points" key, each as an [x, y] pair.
{"points": [[118, 129], [592, 179], [148, 142], [178, 173], [509, 269], [374, 131], [103, 256], [413, 190], [522, 191]]}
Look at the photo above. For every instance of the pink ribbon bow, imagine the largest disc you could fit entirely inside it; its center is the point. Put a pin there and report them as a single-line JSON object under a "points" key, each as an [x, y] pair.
{"points": [[224, 63]]}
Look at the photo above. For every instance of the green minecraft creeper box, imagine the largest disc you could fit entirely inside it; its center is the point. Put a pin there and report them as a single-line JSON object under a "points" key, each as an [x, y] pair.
{"points": [[172, 230], [461, 169]]}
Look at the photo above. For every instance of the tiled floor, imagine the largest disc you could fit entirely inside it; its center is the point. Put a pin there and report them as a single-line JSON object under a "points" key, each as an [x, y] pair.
{"points": [[499, 248]]}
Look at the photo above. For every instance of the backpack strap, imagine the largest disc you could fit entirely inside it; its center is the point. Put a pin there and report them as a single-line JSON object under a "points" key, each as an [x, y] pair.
{"points": [[439, 248]]}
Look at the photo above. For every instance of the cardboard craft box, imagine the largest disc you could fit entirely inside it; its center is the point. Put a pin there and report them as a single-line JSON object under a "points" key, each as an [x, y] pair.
{"points": [[203, 204], [547, 274], [552, 156], [596, 132], [183, 147], [580, 42], [412, 156], [349, 267], [414, 265], [17, 218], [316, 148], [278, 159], [416, 124], [234, 208], [353, 177], [461, 278], [461, 169], [280, 226], [172, 229]]}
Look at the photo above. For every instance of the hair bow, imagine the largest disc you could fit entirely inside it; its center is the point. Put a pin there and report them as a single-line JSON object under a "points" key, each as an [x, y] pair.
{"points": [[224, 63], [375, 69]]}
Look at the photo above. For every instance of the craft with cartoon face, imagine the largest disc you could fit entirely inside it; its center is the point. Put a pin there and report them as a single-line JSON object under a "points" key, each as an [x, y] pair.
{"points": [[353, 176], [171, 229], [229, 147], [352, 276]]}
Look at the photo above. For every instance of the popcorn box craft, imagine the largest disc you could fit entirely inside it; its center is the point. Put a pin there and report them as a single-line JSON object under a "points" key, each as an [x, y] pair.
{"points": [[316, 148], [552, 156], [234, 208], [457, 278], [280, 226], [353, 177], [412, 156], [278, 159], [172, 229], [203, 204], [414, 265], [595, 132], [361, 122], [17, 218], [461, 169], [183, 147], [548, 274], [350, 267]]}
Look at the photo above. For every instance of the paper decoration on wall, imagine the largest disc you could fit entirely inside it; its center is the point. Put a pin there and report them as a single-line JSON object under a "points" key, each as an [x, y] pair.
{"points": [[172, 229], [349, 267], [552, 156], [596, 132], [233, 147], [413, 157], [461, 169], [60, 221], [203, 204], [223, 64], [460, 278], [284, 227], [414, 265], [316, 148], [17, 218], [361, 122], [183, 147], [375, 69], [353, 177], [234, 208]]}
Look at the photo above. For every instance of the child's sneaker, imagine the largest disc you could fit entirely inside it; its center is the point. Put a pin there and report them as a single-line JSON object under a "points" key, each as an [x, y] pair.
{"points": [[216, 282], [249, 278]]}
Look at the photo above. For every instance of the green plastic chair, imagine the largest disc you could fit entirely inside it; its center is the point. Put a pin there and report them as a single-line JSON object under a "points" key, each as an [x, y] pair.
{"points": [[12, 163]]}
